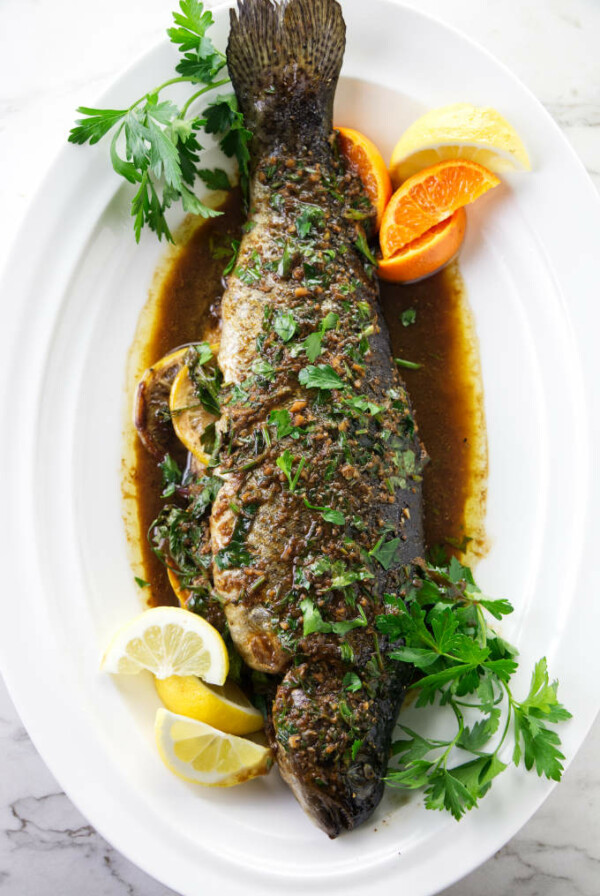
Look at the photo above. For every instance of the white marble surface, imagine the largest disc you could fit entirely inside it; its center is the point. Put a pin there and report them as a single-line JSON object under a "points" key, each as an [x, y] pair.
{"points": [[57, 54]]}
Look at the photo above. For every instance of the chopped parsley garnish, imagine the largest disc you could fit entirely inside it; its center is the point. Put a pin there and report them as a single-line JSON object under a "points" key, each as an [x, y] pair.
{"points": [[284, 325], [313, 343], [308, 218], [276, 201], [314, 622], [351, 682], [363, 247], [282, 420], [178, 536], [285, 265], [409, 365], [363, 405], [207, 378], [385, 551], [171, 475], [408, 317], [285, 462], [263, 369], [252, 273], [235, 248], [141, 583], [321, 377], [236, 554], [335, 517]]}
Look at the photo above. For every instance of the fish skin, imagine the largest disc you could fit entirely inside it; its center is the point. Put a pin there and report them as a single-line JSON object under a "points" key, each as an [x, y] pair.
{"points": [[331, 743]]}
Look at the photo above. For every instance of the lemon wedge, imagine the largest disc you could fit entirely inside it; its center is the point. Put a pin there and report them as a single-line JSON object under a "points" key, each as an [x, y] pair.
{"points": [[200, 753], [168, 641], [226, 708], [461, 130]]}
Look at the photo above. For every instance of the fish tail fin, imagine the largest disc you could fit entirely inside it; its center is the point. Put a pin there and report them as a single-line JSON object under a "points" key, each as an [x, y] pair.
{"points": [[284, 61]]}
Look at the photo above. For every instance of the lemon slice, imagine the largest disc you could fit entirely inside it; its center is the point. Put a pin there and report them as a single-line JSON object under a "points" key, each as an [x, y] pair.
{"points": [[199, 753], [168, 641], [226, 708], [188, 416], [152, 401], [461, 130]]}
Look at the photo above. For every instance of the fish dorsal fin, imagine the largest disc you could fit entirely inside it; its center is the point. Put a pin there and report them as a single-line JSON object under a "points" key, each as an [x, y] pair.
{"points": [[284, 60]]}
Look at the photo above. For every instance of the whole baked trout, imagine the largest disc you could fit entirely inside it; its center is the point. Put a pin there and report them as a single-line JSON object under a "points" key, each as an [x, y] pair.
{"points": [[320, 514]]}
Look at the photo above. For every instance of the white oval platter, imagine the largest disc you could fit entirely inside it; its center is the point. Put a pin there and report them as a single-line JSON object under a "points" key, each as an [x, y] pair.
{"points": [[77, 283]]}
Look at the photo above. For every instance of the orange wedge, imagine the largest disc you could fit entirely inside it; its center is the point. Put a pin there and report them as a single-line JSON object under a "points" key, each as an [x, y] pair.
{"points": [[430, 196], [366, 161], [428, 253]]}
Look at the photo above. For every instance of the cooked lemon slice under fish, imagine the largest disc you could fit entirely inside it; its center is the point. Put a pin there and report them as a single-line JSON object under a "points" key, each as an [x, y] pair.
{"points": [[168, 641], [201, 603], [189, 417], [151, 408], [200, 753], [226, 707]]}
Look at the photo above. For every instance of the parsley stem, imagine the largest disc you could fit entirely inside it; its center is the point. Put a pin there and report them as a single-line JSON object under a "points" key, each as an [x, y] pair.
{"points": [[482, 627], [508, 716], [461, 727], [198, 93], [181, 79]]}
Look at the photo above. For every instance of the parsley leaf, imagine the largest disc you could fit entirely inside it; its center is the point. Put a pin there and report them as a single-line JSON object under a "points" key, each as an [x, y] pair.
{"points": [[262, 368], [336, 517], [440, 629], [385, 551], [313, 342], [312, 619], [408, 317], [285, 265], [285, 462], [282, 420], [363, 247], [284, 325], [314, 622], [171, 475], [363, 405], [236, 554], [310, 216], [351, 682], [235, 248], [217, 179], [95, 125], [154, 142], [321, 377]]}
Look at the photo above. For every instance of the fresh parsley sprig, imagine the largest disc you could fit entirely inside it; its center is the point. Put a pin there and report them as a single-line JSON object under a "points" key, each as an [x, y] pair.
{"points": [[155, 143], [467, 667]]}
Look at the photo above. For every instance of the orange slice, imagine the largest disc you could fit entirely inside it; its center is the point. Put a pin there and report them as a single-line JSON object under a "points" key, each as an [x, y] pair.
{"points": [[182, 594], [430, 196], [366, 161], [428, 253]]}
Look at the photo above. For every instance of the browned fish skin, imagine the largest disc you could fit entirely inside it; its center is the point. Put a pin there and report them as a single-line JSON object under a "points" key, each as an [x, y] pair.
{"points": [[305, 555]]}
